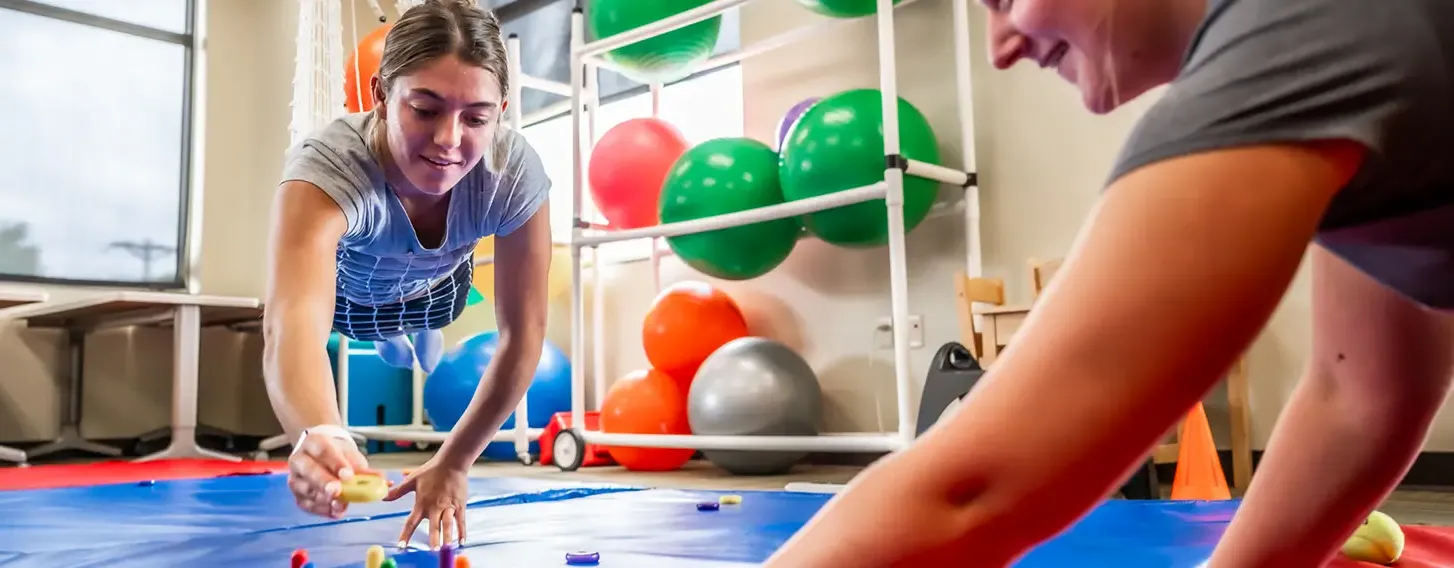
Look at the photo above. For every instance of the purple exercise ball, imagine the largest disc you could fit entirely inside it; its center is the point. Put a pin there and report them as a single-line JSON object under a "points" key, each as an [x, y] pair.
{"points": [[791, 118]]}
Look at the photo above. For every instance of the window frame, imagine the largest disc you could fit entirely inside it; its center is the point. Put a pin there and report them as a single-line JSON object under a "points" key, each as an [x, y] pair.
{"points": [[628, 251], [184, 275]]}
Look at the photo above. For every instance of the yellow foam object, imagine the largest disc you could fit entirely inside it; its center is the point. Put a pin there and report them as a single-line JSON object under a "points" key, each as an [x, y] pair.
{"points": [[1378, 540], [374, 557], [363, 488]]}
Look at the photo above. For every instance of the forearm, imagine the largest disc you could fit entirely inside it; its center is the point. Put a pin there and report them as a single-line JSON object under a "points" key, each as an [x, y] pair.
{"points": [[1360, 447], [1012, 467], [298, 376], [506, 379]]}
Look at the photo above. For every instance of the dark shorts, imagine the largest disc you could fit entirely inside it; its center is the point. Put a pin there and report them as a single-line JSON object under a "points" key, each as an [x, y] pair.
{"points": [[1412, 254], [441, 306]]}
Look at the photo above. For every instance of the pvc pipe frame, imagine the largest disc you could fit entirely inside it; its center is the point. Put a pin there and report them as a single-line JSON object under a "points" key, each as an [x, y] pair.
{"points": [[585, 59], [585, 63]]}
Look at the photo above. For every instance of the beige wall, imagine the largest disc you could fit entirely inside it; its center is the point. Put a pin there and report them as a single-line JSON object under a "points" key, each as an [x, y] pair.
{"points": [[823, 301]]}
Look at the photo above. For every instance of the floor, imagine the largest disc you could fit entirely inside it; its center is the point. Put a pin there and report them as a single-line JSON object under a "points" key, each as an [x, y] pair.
{"points": [[1410, 506], [697, 474]]}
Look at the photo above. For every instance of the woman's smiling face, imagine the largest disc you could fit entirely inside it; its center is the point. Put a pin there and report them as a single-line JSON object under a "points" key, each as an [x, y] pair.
{"points": [[1109, 49]]}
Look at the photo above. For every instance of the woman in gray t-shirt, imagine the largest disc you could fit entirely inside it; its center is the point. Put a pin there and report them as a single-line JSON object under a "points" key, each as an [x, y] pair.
{"points": [[1289, 129], [373, 233]]}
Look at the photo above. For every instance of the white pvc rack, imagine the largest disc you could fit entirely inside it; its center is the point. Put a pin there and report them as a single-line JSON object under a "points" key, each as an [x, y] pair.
{"points": [[586, 60]]}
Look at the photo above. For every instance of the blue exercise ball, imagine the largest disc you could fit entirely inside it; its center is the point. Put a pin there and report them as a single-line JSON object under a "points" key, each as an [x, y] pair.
{"points": [[449, 389]]}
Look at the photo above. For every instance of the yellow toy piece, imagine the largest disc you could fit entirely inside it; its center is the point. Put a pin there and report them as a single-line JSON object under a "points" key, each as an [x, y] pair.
{"points": [[364, 488], [1378, 540], [374, 558]]}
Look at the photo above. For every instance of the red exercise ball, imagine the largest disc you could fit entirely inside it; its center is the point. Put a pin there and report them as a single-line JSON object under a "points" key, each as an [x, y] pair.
{"points": [[361, 67], [646, 401], [685, 324], [628, 167]]}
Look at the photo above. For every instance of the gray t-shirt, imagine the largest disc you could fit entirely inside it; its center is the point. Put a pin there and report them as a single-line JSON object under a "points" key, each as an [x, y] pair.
{"points": [[380, 258], [1379, 72]]}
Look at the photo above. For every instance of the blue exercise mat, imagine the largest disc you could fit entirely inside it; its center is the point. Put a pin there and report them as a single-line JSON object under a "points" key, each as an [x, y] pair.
{"points": [[522, 523]]}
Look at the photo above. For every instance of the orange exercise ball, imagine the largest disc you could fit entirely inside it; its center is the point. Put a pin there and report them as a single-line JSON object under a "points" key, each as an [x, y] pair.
{"points": [[646, 401], [361, 67], [686, 323], [628, 167]]}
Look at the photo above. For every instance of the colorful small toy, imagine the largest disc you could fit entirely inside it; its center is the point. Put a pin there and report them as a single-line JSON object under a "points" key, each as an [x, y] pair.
{"points": [[374, 558]]}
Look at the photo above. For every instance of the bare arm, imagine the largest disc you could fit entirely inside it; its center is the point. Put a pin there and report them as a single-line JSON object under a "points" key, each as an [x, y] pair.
{"points": [[306, 228], [1178, 269], [522, 261]]}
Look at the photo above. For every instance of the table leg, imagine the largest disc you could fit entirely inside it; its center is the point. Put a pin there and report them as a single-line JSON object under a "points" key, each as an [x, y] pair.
{"points": [[186, 363], [989, 339], [1241, 414], [70, 436]]}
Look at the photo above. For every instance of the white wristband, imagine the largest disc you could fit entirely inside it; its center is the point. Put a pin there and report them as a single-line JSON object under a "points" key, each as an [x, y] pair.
{"points": [[330, 430]]}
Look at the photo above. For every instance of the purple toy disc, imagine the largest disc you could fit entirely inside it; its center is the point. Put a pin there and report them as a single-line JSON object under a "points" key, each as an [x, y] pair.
{"points": [[582, 558]]}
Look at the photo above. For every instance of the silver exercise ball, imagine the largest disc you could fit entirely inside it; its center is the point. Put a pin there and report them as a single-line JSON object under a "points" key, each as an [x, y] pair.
{"points": [[755, 386]]}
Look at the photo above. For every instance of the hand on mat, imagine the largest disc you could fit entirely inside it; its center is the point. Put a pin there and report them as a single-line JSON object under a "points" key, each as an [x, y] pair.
{"points": [[316, 470], [440, 493]]}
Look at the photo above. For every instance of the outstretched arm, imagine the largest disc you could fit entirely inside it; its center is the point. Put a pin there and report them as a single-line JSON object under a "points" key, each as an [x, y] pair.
{"points": [[521, 304], [298, 307], [1178, 269]]}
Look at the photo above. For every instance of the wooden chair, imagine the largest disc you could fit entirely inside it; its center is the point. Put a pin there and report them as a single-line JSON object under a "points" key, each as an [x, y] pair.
{"points": [[1041, 271], [969, 291]]}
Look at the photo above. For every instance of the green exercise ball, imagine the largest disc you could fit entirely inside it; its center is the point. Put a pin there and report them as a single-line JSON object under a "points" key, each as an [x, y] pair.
{"points": [[660, 59], [837, 145], [842, 8], [720, 176]]}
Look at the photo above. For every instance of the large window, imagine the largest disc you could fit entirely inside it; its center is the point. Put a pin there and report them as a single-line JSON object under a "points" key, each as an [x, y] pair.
{"points": [[96, 103], [705, 106]]}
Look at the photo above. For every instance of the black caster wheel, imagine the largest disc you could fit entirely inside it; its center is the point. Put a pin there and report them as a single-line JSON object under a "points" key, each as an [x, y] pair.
{"points": [[569, 450], [525, 459]]}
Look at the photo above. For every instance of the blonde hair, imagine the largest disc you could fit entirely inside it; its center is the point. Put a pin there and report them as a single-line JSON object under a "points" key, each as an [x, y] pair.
{"points": [[434, 29]]}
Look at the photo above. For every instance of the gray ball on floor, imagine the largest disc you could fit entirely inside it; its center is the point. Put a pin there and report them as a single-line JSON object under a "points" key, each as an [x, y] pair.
{"points": [[754, 386]]}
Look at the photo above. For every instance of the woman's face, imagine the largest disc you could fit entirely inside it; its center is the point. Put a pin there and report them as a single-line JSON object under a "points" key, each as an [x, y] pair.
{"points": [[440, 121], [1101, 46]]}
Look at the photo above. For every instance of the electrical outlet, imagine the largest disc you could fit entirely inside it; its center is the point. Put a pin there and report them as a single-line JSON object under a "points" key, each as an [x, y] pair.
{"points": [[884, 332], [916, 331]]}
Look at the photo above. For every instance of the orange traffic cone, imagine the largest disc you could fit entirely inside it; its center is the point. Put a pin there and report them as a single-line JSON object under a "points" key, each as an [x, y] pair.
{"points": [[1198, 470]]}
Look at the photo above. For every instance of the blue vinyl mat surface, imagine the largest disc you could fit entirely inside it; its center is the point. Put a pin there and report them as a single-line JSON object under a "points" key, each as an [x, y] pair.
{"points": [[250, 521]]}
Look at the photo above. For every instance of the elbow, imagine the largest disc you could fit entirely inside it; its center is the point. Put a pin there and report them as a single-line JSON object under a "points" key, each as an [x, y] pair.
{"points": [[524, 329], [521, 344]]}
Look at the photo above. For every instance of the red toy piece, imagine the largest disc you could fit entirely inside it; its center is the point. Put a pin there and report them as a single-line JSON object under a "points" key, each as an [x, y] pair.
{"points": [[595, 455], [300, 557]]}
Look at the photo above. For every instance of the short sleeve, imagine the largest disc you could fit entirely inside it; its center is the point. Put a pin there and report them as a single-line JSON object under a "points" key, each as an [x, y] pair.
{"points": [[1278, 71], [317, 164], [524, 185]]}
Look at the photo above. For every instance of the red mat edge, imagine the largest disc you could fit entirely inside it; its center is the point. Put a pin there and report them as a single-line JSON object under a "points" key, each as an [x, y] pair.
{"points": [[110, 472]]}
